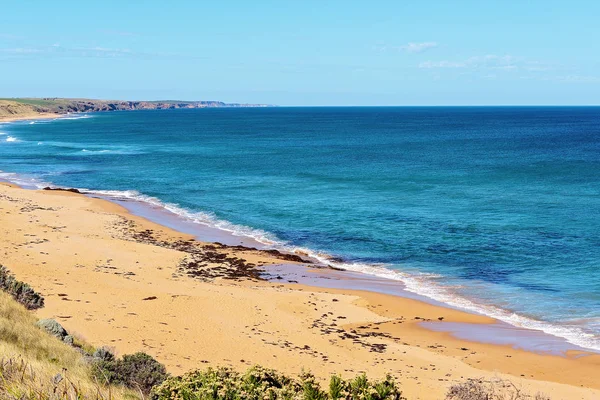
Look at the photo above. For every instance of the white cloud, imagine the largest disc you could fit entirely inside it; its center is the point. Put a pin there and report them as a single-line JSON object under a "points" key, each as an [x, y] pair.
{"points": [[442, 64], [577, 79], [494, 66], [490, 61], [20, 51], [57, 50], [418, 47], [409, 48]]}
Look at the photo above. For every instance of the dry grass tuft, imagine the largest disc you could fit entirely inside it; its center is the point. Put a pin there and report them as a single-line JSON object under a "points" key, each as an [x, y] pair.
{"points": [[497, 389]]}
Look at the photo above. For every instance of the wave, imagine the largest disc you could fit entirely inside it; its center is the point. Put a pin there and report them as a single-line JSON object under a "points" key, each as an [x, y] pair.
{"points": [[422, 284], [204, 218], [425, 284], [12, 139], [96, 151], [109, 151], [68, 117], [22, 180], [73, 148]]}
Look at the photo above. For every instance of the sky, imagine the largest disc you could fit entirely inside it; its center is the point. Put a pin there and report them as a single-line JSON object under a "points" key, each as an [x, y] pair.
{"points": [[304, 53]]}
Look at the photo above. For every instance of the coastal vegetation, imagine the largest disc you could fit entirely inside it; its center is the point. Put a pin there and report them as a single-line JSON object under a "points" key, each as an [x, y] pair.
{"points": [[263, 383], [137, 371], [20, 291]]}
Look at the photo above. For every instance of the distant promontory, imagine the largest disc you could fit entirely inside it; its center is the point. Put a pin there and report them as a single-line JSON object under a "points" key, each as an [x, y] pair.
{"points": [[23, 108]]}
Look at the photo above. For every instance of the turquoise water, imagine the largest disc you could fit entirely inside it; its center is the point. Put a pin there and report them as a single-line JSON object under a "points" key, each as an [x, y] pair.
{"points": [[494, 209]]}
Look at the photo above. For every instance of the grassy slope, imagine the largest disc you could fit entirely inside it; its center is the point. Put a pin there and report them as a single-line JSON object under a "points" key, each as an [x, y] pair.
{"points": [[10, 109], [32, 102], [30, 359]]}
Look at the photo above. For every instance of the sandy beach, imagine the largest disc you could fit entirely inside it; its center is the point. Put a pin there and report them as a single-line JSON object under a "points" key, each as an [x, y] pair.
{"points": [[120, 280], [27, 116]]}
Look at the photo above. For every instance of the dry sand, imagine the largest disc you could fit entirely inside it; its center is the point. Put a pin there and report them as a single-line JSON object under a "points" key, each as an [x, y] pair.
{"points": [[119, 280], [28, 116]]}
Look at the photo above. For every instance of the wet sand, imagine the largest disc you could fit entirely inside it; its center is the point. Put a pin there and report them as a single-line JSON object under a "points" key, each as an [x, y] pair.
{"points": [[120, 280]]}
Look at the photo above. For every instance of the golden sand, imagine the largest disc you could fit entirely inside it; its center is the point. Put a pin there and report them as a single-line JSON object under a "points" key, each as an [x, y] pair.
{"points": [[116, 279]]}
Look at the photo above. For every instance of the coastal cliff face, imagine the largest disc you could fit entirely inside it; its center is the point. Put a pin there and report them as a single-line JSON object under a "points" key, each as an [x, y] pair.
{"points": [[99, 105], [30, 107]]}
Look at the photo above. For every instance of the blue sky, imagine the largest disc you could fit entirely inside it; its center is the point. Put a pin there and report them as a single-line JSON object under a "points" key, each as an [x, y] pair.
{"points": [[305, 52]]}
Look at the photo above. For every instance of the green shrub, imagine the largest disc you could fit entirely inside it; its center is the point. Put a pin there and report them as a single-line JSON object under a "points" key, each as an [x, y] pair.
{"points": [[261, 383], [136, 371], [21, 292]]}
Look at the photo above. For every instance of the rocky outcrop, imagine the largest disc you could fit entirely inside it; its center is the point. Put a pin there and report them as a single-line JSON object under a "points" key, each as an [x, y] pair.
{"points": [[62, 189], [56, 330]]}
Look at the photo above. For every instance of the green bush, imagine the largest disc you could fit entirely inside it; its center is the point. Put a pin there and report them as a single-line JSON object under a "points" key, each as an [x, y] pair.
{"points": [[136, 371], [21, 292], [261, 383]]}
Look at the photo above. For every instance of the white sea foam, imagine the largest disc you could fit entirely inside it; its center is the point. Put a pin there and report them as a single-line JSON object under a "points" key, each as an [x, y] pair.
{"points": [[112, 151], [25, 181], [72, 117], [12, 139], [422, 284], [207, 219], [2, 133]]}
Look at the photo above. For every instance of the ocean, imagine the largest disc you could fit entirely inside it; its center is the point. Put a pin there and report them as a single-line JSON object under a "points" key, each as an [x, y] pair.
{"points": [[491, 209]]}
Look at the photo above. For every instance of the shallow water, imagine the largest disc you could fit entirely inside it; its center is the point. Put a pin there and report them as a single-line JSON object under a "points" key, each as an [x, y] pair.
{"points": [[494, 209]]}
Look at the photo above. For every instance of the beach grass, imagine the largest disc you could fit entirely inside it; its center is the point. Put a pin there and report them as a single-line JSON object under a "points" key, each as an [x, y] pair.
{"points": [[35, 365]]}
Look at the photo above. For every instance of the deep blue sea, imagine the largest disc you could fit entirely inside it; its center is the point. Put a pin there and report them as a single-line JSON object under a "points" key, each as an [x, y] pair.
{"points": [[495, 209]]}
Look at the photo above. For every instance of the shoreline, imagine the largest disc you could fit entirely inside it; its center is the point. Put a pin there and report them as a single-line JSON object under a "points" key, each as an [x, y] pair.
{"points": [[522, 337], [162, 215], [525, 337], [376, 329], [35, 117]]}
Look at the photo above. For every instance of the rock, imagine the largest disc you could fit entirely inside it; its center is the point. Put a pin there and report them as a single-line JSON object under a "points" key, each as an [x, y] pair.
{"points": [[58, 378], [286, 256], [53, 328], [63, 189], [68, 340]]}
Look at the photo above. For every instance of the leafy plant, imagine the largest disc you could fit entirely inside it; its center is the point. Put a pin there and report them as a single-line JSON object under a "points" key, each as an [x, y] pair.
{"points": [[336, 388], [136, 371], [263, 383]]}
